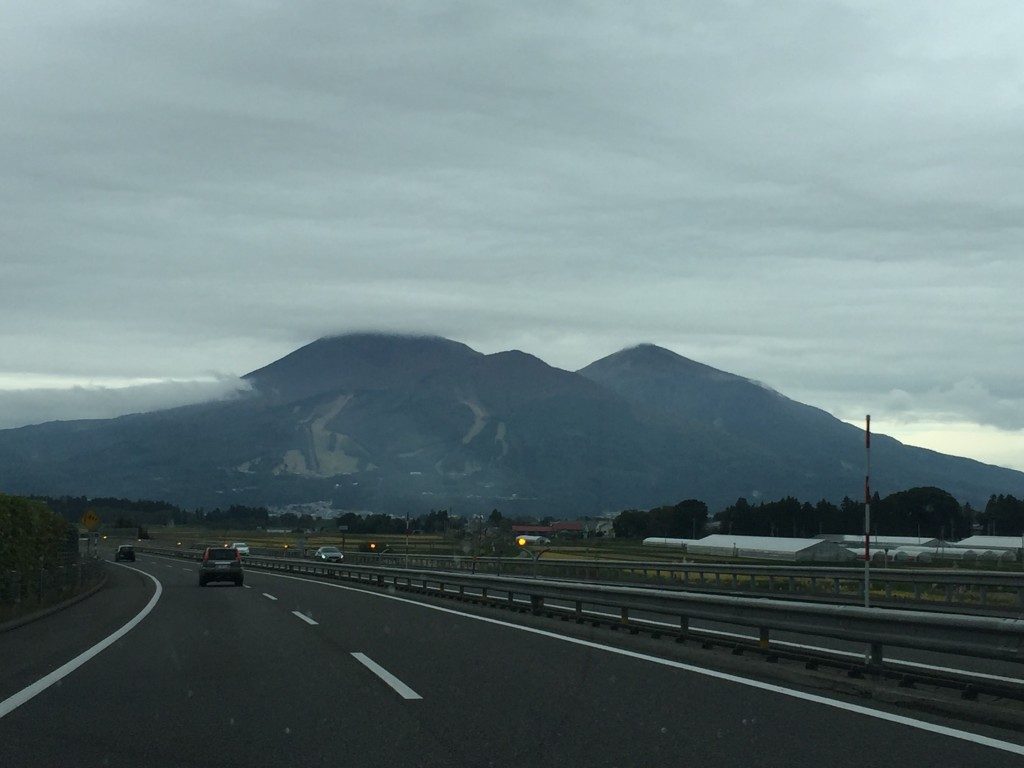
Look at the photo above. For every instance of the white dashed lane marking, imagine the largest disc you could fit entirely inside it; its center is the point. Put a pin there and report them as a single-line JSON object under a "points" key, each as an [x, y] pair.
{"points": [[401, 688]]}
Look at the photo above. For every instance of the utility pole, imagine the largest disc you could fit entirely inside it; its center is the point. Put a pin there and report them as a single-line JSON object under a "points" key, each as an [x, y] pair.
{"points": [[867, 515]]}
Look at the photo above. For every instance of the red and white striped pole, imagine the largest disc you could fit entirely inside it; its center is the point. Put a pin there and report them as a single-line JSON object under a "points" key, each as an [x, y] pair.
{"points": [[867, 515]]}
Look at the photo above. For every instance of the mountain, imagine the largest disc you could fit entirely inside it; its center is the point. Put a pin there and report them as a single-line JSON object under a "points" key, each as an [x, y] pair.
{"points": [[808, 452], [409, 423], [357, 361]]}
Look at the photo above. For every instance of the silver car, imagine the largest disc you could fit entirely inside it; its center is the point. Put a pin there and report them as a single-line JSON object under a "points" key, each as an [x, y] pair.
{"points": [[329, 554]]}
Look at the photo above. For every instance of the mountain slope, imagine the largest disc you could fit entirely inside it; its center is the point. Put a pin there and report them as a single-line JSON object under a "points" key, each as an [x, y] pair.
{"points": [[814, 454]]}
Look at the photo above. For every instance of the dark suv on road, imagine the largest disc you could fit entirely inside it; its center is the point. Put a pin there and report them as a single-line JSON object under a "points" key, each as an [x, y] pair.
{"points": [[125, 552], [220, 564]]}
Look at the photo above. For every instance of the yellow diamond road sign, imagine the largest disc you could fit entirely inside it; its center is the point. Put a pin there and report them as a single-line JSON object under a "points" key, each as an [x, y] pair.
{"points": [[91, 520]]}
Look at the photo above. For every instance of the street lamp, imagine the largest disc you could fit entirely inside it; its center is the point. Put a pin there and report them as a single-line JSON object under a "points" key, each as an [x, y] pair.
{"points": [[521, 542]]}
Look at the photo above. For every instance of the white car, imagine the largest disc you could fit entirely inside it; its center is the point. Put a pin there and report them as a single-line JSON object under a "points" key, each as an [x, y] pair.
{"points": [[242, 547]]}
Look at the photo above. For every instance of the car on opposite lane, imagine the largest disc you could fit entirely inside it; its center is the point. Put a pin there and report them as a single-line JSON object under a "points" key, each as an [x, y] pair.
{"points": [[242, 547], [329, 554], [221, 564], [125, 552]]}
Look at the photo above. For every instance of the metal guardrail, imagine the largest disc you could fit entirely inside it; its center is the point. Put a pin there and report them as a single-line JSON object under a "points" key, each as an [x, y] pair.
{"points": [[977, 636], [951, 587]]}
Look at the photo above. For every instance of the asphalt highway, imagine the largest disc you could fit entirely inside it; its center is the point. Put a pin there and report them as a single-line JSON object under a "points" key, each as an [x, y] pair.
{"points": [[290, 671]]}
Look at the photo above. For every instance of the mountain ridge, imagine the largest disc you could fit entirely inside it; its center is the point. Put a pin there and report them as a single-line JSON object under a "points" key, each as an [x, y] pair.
{"points": [[393, 422]]}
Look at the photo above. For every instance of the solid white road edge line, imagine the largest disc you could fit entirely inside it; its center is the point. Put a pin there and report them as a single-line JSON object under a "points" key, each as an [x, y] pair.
{"points": [[269, 597], [401, 688], [11, 703], [304, 617], [923, 725]]}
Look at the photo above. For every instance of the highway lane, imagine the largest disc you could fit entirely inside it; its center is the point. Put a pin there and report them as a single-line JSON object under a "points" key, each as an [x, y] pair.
{"points": [[232, 676], [910, 658], [309, 602]]}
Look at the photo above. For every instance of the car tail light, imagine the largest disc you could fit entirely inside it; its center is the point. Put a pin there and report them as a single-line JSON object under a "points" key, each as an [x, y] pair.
{"points": [[206, 555], [238, 555]]}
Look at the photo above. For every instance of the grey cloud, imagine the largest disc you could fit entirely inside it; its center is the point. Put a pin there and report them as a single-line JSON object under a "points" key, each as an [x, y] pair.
{"points": [[821, 196], [966, 400], [19, 407]]}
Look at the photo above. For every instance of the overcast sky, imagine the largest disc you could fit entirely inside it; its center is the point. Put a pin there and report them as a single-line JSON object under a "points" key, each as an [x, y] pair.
{"points": [[826, 197]]}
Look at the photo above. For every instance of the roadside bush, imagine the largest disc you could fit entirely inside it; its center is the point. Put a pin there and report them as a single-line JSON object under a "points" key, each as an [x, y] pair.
{"points": [[30, 535]]}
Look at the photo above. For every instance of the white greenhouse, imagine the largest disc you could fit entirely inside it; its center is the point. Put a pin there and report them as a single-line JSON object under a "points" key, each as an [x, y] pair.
{"points": [[1014, 543], [770, 548], [655, 541], [880, 542]]}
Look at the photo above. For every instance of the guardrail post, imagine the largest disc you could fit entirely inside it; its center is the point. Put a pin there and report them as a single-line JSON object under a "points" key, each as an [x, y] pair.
{"points": [[836, 589], [762, 639], [625, 615], [875, 655], [888, 590], [684, 624], [536, 603], [983, 594]]}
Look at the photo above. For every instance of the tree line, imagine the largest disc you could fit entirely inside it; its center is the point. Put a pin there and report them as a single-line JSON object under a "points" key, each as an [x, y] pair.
{"points": [[928, 512], [687, 519], [32, 536]]}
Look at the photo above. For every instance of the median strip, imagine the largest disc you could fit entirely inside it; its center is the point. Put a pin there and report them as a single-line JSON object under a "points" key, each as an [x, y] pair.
{"points": [[304, 617], [400, 688]]}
